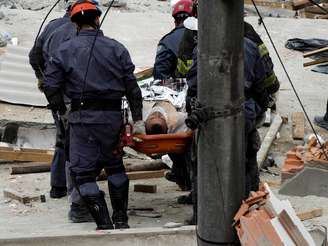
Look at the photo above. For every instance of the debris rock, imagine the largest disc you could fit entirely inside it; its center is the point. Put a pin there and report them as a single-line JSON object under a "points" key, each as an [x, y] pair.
{"points": [[265, 220], [300, 186]]}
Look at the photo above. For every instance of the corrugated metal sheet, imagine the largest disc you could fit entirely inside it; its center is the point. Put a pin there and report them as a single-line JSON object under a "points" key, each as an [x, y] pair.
{"points": [[17, 80]]}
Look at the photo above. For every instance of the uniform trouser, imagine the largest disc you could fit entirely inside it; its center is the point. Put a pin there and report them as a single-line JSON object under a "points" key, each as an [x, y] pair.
{"points": [[92, 148], [191, 160], [180, 169], [253, 144], [58, 176]]}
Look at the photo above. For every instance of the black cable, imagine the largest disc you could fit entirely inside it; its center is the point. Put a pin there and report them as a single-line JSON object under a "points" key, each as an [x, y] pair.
{"points": [[290, 81], [44, 20], [318, 5]]}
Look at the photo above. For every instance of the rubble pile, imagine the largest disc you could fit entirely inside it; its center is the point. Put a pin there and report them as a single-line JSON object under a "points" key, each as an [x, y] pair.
{"points": [[311, 155], [265, 220]]}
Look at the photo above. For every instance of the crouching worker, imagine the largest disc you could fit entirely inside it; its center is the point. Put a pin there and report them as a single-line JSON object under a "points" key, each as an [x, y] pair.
{"points": [[95, 118]]}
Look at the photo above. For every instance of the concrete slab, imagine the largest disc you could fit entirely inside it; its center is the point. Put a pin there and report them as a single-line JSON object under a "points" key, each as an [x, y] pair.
{"points": [[310, 181], [138, 237]]}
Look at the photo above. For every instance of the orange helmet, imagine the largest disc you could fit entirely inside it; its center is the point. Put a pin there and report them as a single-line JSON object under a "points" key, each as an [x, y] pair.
{"points": [[84, 6], [183, 6]]}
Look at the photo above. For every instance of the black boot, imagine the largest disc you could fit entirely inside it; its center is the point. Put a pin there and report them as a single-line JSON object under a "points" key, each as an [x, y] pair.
{"points": [[99, 211], [58, 192], [79, 213], [186, 199], [119, 197]]}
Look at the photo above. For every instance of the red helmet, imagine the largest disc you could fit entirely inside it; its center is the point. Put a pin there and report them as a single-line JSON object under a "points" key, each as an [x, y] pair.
{"points": [[183, 6], [81, 6]]}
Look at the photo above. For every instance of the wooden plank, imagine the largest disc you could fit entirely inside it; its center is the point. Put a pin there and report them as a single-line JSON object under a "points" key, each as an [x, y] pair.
{"points": [[47, 151], [146, 188], [20, 197], [268, 140], [298, 125], [145, 175], [34, 167], [25, 156], [310, 214], [300, 4], [315, 52], [315, 62]]}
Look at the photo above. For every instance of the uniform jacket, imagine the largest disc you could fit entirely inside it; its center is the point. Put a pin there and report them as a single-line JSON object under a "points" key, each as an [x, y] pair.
{"points": [[35, 56], [167, 54], [110, 75]]}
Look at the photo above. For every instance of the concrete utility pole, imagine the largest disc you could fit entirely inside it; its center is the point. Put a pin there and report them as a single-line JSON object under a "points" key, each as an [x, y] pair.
{"points": [[221, 171]]}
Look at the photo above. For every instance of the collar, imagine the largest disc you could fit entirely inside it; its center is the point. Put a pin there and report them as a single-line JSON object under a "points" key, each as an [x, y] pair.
{"points": [[90, 32]]}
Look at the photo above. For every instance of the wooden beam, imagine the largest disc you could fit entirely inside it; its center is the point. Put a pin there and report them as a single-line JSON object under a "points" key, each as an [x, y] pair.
{"points": [[268, 140], [315, 52], [298, 125], [300, 4], [316, 62], [34, 167], [146, 175], [23, 154], [131, 165], [310, 214]]}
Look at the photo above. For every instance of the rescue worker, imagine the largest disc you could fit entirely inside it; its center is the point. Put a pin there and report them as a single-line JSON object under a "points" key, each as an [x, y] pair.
{"points": [[38, 63], [168, 47], [271, 82], [322, 121], [78, 212], [95, 119], [256, 102], [165, 68]]}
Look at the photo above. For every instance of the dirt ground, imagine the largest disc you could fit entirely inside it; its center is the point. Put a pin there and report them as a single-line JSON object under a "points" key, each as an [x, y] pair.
{"points": [[140, 27]]}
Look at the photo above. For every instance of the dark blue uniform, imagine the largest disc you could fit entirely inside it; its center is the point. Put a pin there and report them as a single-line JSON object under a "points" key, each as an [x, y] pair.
{"points": [[58, 179], [38, 56], [254, 71], [167, 54], [95, 126]]}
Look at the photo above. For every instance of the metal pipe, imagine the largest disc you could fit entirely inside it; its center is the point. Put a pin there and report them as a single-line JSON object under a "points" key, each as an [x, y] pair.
{"points": [[221, 171]]}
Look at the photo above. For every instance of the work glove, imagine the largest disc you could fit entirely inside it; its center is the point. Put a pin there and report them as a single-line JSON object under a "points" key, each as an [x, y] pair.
{"points": [[41, 84], [56, 101], [139, 127]]}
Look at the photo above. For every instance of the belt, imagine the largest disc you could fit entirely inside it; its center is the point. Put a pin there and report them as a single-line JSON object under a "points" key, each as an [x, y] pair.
{"points": [[97, 105]]}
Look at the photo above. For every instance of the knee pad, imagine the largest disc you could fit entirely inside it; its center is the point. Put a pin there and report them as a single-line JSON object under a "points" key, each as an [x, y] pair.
{"points": [[114, 166], [118, 179]]}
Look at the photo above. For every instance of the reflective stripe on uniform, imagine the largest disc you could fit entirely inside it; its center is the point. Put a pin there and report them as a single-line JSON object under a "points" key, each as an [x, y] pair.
{"points": [[270, 80], [184, 67], [263, 50]]}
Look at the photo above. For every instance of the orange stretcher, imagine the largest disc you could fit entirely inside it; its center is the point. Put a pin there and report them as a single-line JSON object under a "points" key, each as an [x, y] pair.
{"points": [[162, 143]]}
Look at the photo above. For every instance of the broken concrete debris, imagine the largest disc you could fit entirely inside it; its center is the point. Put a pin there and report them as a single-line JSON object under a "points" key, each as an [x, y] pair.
{"points": [[300, 186], [265, 220], [311, 155], [21, 197]]}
